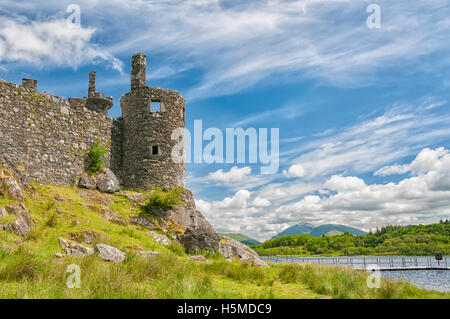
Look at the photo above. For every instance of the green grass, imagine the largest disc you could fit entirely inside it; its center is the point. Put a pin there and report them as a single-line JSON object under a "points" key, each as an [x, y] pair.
{"points": [[32, 271]]}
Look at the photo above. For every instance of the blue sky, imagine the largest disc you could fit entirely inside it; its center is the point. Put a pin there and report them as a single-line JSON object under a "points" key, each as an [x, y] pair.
{"points": [[363, 114]]}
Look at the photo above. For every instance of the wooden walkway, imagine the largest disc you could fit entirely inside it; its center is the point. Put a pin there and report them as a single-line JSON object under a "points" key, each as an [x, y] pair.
{"points": [[370, 263]]}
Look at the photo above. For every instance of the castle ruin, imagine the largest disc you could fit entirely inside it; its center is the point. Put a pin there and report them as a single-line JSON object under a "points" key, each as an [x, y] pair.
{"points": [[46, 139]]}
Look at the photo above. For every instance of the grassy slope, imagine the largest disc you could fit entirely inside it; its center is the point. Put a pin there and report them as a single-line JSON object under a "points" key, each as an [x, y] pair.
{"points": [[32, 271]]}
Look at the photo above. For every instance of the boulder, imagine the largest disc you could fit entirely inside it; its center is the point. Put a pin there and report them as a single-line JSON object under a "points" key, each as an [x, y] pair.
{"points": [[9, 186], [87, 181], [74, 249], [107, 182], [21, 225], [109, 253], [163, 239], [200, 258], [198, 233], [147, 253], [231, 249]]}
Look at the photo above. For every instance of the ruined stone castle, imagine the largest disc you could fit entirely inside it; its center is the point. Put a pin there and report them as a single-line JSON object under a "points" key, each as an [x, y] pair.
{"points": [[46, 139]]}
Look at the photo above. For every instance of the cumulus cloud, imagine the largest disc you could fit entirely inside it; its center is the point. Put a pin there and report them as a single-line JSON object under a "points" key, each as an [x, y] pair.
{"points": [[234, 175], [295, 170], [53, 42], [261, 202], [424, 162]]}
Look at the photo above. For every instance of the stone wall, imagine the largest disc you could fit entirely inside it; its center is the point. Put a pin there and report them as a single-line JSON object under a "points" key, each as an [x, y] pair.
{"points": [[44, 139]]}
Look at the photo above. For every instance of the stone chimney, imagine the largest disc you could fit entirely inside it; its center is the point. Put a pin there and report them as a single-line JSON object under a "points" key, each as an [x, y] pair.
{"points": [[91, 91], [138, 71]]}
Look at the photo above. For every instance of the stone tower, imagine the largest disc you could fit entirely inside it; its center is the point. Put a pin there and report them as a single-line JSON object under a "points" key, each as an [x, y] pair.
{"points": [[150, 115]]}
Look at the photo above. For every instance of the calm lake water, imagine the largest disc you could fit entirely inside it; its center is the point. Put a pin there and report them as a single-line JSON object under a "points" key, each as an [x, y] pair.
{"points": [[429, 279]]}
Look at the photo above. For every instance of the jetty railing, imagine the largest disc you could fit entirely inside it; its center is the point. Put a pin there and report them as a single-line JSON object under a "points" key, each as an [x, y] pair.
{"points": [[381, 262]]}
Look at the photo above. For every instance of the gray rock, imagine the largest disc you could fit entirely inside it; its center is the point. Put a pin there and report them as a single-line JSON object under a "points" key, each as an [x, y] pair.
{"points": [[21, 225], [9, 186], [74, 249], [59, 255], [87, 181], [109, 253], [163, 239], [198, 232], [107, 182], [231, 249], [200, 258]]}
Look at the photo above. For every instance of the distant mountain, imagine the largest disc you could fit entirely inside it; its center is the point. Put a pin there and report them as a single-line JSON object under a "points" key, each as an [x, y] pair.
{"points": [[303, 228], [241, 238], [332, 229], [327, 230]]}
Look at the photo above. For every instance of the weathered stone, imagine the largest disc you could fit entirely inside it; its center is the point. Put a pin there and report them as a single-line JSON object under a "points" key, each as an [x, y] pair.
{"points": [[87, 237], [21, 225], [231, 249], [163, 239], [87, 181], [136, 199], [200, 258], [9, 186], [59, 255], [147, 253], [198, 232], [106, 181], [143, 221], [74, 249], [109, 253]]}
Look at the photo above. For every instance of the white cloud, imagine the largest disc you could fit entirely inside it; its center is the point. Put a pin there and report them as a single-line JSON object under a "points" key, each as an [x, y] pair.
{"points": [[260, 202], [295, 170], [424, 162], [52, 42], [343, 184], [234, 175]]}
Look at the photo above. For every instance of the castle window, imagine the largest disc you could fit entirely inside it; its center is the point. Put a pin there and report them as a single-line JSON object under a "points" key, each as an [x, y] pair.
{"points": [[155, 106], [155, 150]]}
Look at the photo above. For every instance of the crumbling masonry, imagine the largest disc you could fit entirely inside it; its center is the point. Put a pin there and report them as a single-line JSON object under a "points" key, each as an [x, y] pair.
{"points": [[46, 139]]}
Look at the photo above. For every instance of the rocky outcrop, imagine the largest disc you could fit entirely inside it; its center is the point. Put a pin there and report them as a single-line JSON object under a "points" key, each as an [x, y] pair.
{"points": [[198, 233], [74, 249], [87, 181], [162, 239], [200, 258], [109, 253], [9, 186], [107, 182], [21, 224], [231, 249]]}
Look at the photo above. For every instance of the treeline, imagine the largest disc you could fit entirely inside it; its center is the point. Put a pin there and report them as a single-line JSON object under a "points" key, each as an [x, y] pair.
{"points": [[414, 240]]}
